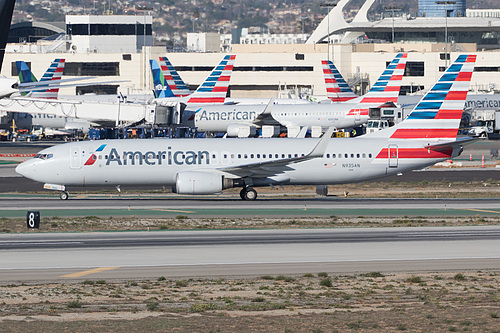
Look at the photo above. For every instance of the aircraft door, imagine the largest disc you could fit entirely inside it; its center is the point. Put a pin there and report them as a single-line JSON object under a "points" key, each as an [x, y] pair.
{"points": [[393, 156], [75, 159]]}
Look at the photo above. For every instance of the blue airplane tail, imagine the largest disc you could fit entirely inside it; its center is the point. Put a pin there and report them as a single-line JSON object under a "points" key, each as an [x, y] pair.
{"points": [[161, 88]]}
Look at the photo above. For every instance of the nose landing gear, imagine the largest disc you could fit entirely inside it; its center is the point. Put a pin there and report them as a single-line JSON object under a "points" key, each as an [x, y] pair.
{"points": [[248, 193], [64, 195]]}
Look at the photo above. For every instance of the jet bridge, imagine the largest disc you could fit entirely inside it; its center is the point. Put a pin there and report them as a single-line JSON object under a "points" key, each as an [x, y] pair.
{"points": [[97, 111]]}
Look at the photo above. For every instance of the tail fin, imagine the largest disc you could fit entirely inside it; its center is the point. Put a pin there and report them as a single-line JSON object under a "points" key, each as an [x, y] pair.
{"points": [[24, 73], [437, 116], [387, 87], [54, 72], [173, 79], [337, 89], [161, 89], [6, 10], [214, 89]]}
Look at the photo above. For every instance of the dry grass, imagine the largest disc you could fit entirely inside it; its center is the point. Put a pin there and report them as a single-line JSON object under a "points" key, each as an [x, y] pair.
{"points": [[368, 302]]}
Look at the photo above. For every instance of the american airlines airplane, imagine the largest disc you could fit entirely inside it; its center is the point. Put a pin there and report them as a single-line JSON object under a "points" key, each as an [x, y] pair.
{"points": [[234, 119], [208, 166]]}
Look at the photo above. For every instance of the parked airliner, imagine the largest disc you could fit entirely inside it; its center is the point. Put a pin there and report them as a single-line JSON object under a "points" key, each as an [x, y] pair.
{"points": [[351, 113], [208, 166]]}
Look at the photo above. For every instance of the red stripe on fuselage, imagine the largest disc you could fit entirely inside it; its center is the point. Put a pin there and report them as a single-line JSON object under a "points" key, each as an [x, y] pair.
{"points": [[425, 133], [417, 153]]}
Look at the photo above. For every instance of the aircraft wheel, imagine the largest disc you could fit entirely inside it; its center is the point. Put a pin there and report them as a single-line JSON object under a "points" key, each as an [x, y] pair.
{"points": [[64, 195], [250, 194], [242, 194]]}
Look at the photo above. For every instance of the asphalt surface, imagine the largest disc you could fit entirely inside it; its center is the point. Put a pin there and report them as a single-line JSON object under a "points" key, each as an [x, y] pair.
{"points": [[127, 255]]}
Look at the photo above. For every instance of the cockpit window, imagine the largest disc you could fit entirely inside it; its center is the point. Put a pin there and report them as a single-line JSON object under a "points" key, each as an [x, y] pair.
{"points": [[44, 156]]}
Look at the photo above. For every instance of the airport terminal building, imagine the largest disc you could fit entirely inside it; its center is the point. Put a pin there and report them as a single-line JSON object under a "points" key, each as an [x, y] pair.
{"points": [[120, 47]]}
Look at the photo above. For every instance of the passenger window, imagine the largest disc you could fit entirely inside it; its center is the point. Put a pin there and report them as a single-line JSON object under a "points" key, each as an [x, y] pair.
{"points": [[251, 155], [276, 156], [327, 155], [333, 156], [282, 155], [258, 155], [289, 155], [357, 155], [346, 155], [352, 155], [246, 156], [364, 155], [239, 155], [370, 155], [296, 155]]}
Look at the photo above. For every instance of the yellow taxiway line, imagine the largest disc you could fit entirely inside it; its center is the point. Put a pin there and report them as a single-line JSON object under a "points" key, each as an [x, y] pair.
{"points": [[92, 271], [173, 210], [483, 211]]}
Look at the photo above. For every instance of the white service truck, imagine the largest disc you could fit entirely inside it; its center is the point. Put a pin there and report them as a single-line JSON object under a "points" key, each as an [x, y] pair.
{"points": [[487, 125]]}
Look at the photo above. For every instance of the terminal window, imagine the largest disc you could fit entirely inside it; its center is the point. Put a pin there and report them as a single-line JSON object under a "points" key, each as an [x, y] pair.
{"points": [[92, 69]]}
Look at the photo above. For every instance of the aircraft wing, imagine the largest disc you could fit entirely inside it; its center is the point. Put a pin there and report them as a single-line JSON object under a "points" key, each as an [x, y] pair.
{"points": [[265, 118], [272, 168]]}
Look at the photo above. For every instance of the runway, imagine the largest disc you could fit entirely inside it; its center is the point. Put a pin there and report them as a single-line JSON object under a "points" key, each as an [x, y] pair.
{"points": [[40, 258]]}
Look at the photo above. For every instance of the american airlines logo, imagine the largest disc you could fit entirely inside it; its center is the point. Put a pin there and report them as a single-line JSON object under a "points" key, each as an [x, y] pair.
{"points": [[226, 115], [167, 157]]}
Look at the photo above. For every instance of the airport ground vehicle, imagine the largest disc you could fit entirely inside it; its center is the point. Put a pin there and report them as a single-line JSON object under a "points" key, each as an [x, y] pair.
{"points": [[487, 125]]}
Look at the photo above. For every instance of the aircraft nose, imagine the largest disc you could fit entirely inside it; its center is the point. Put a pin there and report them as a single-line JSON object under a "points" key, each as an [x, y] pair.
{"points": [[25, 169]]}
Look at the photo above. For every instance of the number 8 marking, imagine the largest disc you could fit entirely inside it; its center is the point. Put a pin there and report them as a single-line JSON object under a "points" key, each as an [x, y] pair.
{"points": [[31, 220]]}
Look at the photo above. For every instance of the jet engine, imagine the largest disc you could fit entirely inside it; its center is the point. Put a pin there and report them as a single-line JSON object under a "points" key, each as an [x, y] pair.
{"points": [[201, 182], [240, 131]]}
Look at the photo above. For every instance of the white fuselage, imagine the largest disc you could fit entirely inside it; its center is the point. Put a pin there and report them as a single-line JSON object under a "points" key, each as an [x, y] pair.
{"points": [[158, 161], [338, 115]]}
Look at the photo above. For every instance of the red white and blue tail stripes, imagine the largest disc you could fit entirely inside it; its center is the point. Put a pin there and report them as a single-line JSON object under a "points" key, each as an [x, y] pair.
{"points": [[385, 90], [387, 87], [337, 89], [54, 72], [437, 116], [214, 89], [173, 79]]}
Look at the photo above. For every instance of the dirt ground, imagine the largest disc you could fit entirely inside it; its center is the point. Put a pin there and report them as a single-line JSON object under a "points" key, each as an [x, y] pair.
{"points": [[314, 302]]}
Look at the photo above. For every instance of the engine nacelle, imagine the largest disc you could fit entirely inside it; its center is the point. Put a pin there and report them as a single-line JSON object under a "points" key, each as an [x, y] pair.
{"points": [[200, 182], [240, 131]]}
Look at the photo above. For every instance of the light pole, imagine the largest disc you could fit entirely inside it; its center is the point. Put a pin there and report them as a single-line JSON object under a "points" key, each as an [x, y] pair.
{"points": [[446, 3], [144, 8], [392, 8], [329, 5]]}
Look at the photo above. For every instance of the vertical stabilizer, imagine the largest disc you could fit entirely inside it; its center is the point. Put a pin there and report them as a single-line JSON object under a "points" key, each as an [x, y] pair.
{"points": [[54, 72], [6, 10], [173, 79], [161, 88], [337, 89], [436, 118], [214, 89]]}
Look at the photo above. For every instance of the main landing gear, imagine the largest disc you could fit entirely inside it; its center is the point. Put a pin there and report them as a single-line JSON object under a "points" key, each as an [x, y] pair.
{"points": [[64, 195], [248, 193]]}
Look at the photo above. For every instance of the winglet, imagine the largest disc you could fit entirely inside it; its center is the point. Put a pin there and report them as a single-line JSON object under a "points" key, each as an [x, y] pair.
{"points": [[269, 106], [320, 148]]}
